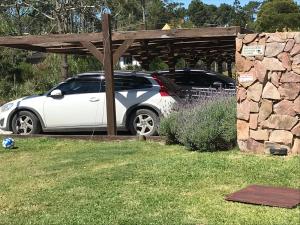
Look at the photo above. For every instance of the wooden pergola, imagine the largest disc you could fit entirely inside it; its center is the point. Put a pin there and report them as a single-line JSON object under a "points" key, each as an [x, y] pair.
{"points": [[206, 44]]}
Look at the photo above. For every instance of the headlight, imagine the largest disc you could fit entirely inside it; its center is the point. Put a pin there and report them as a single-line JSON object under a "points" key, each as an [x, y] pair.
{"points": [[6, 107]]}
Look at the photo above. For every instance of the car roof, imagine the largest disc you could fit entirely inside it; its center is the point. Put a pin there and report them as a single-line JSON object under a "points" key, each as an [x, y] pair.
{"points": [[193, 70], [210, 73], [117, 73], [99, 75]]}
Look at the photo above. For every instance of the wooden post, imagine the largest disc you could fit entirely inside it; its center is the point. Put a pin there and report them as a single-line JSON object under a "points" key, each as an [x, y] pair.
{"points": [[229, 68], [64, 67], [208, 63], [220, 66], [145, 58], [193, 62], [109, 75], [171, 59]]}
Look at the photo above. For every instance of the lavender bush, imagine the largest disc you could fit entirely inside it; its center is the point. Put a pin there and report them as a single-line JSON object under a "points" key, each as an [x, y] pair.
{"points": [[208, 124]]}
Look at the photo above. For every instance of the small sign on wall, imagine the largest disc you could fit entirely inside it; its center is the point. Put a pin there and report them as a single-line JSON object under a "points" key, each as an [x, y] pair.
{"points": [[246, 78], [253, 50]]}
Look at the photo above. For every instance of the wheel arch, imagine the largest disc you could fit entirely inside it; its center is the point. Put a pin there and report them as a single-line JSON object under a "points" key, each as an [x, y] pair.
{"points": [[134, 108], [28, 109]]}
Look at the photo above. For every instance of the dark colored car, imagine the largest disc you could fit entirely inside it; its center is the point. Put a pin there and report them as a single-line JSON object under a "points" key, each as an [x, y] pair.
{"points": [[196, 83], [199, 79]]}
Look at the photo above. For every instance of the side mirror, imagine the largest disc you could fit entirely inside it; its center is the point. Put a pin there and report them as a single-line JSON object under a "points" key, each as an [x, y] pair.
{"points": [[56, 93], [231, 85], [217, 84]]}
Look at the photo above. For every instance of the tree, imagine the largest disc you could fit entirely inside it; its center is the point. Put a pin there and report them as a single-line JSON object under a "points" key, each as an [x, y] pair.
{"points": [[201, 14], [276, 15], [174, 14], [239, 18], [155, 14], [225, 15], [211, 15], [251, 10]]}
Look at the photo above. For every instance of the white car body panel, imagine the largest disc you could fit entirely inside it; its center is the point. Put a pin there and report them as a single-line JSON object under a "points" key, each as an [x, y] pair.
{"points": [[127, 99], [77, 110]]}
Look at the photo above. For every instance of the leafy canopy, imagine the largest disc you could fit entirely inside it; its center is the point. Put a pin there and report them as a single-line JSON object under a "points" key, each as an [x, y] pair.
{"points": [[276, 15]]}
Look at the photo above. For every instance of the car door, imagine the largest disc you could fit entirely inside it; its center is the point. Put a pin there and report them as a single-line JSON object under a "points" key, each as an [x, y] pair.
{"points": [[129, 91], [81, 105], [122, 100]]}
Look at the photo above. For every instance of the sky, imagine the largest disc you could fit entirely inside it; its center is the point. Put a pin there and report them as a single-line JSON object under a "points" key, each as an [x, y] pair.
{"points": [[218, 2]]}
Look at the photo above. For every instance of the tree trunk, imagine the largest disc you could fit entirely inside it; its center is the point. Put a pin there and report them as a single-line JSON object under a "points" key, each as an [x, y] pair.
{"points": [[64, 67], [61, 29]]}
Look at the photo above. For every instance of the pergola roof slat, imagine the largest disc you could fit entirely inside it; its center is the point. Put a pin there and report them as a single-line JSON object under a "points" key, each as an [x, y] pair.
{"points": [[147, 43]]}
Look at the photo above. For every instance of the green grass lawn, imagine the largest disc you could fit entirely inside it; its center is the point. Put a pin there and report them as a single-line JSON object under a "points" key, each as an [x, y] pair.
{"points": [[47, 181]]}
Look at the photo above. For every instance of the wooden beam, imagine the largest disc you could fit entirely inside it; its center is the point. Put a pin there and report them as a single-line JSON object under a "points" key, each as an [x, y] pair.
{"points": [[121, 50], [26, 47], [93, 50], [109, 76], [179, 33], [129, 35]]}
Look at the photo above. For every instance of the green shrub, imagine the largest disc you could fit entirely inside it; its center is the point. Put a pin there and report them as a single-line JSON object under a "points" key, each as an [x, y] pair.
{"points": [[168, 128], [206, 125]]}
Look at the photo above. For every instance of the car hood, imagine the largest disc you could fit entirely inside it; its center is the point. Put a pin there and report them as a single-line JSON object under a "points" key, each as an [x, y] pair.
{"points": [[17, 101]]}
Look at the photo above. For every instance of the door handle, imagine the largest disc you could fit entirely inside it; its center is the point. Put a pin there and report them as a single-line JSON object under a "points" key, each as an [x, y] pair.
{"points": [[94, 99]]}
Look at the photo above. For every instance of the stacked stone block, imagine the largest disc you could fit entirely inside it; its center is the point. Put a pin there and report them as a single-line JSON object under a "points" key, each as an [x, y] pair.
{"points": [[268, 110]]}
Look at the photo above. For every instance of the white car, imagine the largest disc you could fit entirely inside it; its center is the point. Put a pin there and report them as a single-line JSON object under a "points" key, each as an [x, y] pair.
{"points": [[79, 104]]}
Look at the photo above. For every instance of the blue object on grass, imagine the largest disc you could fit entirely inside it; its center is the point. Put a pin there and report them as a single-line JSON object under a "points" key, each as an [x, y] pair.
{"points": [[8, 143]]}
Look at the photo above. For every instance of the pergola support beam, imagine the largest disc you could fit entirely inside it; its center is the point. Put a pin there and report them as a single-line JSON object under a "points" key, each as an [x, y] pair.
{"points": [[121, 50], [93, 50], [109, 76]]}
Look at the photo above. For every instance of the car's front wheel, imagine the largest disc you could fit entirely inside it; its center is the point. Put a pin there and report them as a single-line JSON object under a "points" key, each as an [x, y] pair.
{"points": [[25, 123], [144, 122]]}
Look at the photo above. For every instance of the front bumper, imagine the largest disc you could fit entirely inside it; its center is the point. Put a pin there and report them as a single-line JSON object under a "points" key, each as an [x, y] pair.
{"points": [[4, 121]]}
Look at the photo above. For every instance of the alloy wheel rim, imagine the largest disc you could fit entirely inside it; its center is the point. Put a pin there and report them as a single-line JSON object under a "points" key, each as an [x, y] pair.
{"points": [[144, 124], [24, 125]]}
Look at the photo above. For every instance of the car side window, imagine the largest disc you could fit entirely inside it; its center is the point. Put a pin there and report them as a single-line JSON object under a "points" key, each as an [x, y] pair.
{"points": [[179, 78], [123, 83], [80, 87], [204, 80]]}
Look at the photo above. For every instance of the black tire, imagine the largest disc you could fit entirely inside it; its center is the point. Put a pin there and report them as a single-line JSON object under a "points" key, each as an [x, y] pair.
{"points": [[26, 123], [150, 122]]}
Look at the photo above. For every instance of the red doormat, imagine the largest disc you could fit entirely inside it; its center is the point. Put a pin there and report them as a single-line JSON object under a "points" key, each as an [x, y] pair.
{"points": [[269, 196]]}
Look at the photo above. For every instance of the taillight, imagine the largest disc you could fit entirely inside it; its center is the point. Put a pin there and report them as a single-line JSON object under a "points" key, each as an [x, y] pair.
{"points": [[163, 90]]}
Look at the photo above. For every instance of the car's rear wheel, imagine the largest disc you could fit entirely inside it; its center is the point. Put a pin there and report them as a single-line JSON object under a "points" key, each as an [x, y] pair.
{"points": [[25, 123], [144, 122]]}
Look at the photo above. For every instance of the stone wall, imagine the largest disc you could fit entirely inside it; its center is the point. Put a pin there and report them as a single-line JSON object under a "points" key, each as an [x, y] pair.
{"points": [[268, 68]]}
